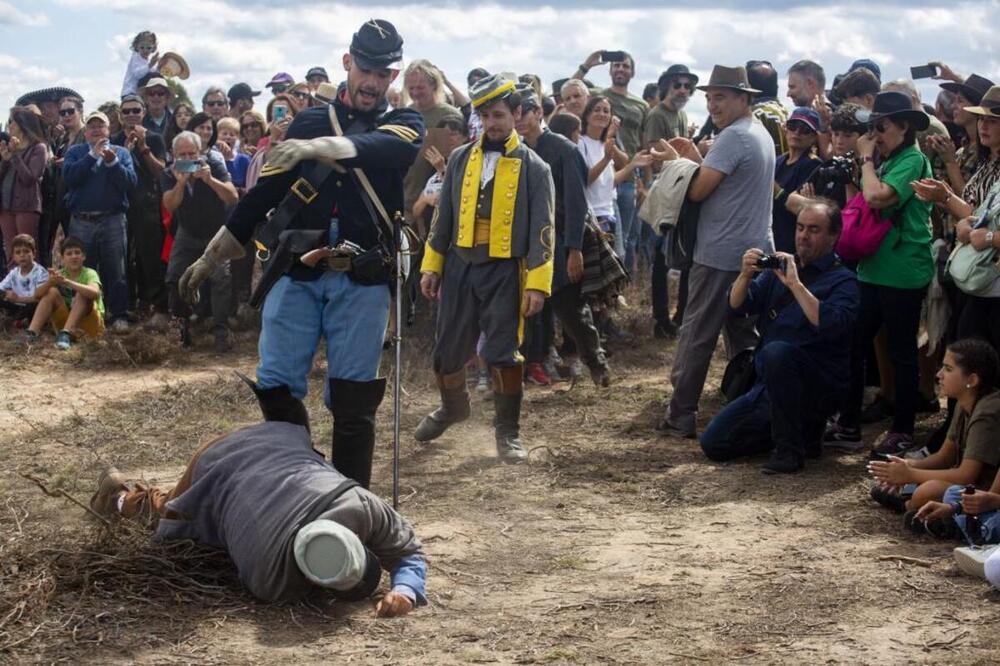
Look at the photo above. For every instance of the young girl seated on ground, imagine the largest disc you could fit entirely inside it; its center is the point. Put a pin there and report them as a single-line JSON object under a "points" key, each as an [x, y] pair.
{"points": [[971, 451], [70, 299], [17, 290]]}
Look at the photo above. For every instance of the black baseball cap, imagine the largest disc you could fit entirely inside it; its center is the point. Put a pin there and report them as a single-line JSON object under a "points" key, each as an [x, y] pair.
{"points": [[242, 91]]}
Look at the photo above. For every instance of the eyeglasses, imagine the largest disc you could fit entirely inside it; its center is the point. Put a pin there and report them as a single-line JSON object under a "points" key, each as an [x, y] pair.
{"points": [[156, 92], [132, 111], [798, 127], [66, 113], [250, 126], [216, 103], [683, 84]]}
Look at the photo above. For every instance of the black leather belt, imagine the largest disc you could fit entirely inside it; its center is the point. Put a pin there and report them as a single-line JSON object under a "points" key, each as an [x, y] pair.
{"points": [[91, 217]]}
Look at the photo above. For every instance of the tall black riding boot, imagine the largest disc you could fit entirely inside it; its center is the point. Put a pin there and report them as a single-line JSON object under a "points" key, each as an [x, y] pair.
{"points": [[277, 403], [454, 407], [353, 405], [507, 392]]}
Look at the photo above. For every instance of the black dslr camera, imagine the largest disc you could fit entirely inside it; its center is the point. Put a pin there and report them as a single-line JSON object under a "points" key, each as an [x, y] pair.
{"points": [[837, 170], [771, 261], [4, 137]]}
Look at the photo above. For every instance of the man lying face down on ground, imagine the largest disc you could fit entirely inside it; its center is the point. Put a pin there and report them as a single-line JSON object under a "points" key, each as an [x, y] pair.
{"points": [[286, 517]]}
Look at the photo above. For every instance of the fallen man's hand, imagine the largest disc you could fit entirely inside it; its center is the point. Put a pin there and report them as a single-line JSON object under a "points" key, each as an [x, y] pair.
{"points": [[393, 604]]}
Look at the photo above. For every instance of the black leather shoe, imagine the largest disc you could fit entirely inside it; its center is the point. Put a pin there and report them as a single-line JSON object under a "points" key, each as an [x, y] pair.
{"points": [[782, 465]]}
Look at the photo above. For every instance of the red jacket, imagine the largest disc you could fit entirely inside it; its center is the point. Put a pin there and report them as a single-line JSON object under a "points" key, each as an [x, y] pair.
{"points": [[28, 165]]}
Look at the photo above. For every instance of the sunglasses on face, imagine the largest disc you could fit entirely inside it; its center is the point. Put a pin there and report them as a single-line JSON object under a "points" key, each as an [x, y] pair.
{"points": [[880, 127], [797, 127], [66, 113], [687, 85], [300, 95], [250, 126], [216, 103], [132, 111], [156, 93]]}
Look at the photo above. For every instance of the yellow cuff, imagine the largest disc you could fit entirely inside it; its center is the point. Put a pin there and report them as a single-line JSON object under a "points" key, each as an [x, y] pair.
{"points": [[540, 279], [433, 260]]}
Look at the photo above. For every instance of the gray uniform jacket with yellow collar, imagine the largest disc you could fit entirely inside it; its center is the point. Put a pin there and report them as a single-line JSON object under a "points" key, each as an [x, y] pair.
{"points": [[521, 212]]}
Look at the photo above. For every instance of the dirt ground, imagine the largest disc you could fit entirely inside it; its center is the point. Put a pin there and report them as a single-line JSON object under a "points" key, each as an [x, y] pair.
{"points": [[612, 545]]}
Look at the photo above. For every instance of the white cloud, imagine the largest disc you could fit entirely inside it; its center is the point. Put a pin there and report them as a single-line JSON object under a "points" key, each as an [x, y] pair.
{"points": [[11, 15], [226, 41]]}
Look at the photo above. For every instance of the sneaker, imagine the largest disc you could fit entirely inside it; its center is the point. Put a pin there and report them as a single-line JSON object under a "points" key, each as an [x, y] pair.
{"points": [[843, 438], [972, 561], [63, 340], [917, 454], [879, 410], [576, 368], [483, 383], [552, 370], [120, 326], [536, 375], [890, 500], [110, 485], [29, 337], [159, 321], [893, 444], [667, 429], [782, 464]]}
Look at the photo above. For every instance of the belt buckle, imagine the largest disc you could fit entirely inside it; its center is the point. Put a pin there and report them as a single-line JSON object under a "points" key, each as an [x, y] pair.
{"points": [[341, 264], [304, 190]]}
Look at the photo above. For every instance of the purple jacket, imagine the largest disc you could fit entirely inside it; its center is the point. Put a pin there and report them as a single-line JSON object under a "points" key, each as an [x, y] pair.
{"points": [[28, 165]]}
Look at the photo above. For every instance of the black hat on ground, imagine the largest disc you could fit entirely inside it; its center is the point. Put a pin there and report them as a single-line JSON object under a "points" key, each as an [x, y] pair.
{"points": [[893, 104], [242, 91], [376, 45], [973, 88], [46, 95]]}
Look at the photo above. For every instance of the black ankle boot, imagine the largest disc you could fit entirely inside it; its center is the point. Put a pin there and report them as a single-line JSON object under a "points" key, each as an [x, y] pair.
{"points": [[353, 405], [278, 404]]}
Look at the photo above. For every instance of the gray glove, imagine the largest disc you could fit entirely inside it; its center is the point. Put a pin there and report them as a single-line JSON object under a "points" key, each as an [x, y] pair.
{"points": [[223, 247], [290, 152]]}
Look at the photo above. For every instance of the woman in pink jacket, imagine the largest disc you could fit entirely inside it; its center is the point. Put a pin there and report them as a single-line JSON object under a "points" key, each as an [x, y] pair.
{"points": [[23, 156]]}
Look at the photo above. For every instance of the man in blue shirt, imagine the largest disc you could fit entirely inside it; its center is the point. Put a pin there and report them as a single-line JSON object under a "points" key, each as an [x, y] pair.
{"points": [[806, 308], [98, 178]]}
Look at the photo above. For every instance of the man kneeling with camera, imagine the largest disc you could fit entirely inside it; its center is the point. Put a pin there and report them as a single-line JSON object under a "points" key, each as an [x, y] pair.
{"points": [[806, 307]]}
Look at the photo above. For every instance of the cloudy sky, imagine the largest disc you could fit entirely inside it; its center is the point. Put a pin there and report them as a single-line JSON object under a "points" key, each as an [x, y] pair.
{"points": [[84, 44]]}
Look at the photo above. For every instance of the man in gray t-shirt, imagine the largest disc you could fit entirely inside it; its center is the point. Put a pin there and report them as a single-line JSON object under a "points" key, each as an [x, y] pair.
{"points": [[735, 186]]}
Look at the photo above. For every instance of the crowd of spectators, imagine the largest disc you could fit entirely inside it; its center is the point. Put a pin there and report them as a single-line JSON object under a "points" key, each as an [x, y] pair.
{"points": [[756, 215]]}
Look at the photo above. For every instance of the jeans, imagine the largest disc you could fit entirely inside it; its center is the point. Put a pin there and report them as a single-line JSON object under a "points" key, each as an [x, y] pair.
{"points": [[989, 522], [104, 244], [296, 313], [899, 311], [784, 410], [628, 222]]}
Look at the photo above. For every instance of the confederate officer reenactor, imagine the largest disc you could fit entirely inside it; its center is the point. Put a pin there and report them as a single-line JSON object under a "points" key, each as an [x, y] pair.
{"points": [[328, 191], [489, 256]]}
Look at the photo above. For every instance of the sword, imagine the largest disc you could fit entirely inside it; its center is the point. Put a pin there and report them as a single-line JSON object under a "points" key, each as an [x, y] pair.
{"points": [[397, 342]]}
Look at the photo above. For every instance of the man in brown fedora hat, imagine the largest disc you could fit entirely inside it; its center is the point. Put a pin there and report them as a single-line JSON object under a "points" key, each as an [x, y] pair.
{"points": [[734, 186]]}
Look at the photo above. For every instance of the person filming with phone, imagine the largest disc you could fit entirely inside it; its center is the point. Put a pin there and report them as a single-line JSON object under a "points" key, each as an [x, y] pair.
{"points": [[198, 192], [806, 306]]}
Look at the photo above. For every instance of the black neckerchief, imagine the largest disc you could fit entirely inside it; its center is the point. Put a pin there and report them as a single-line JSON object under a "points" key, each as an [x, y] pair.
{"points": [[495, 146]]}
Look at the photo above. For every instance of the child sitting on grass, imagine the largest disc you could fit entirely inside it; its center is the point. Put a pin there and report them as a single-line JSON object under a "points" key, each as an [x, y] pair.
{"points": [[971, 451], [70, 299], [17, 290]]}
